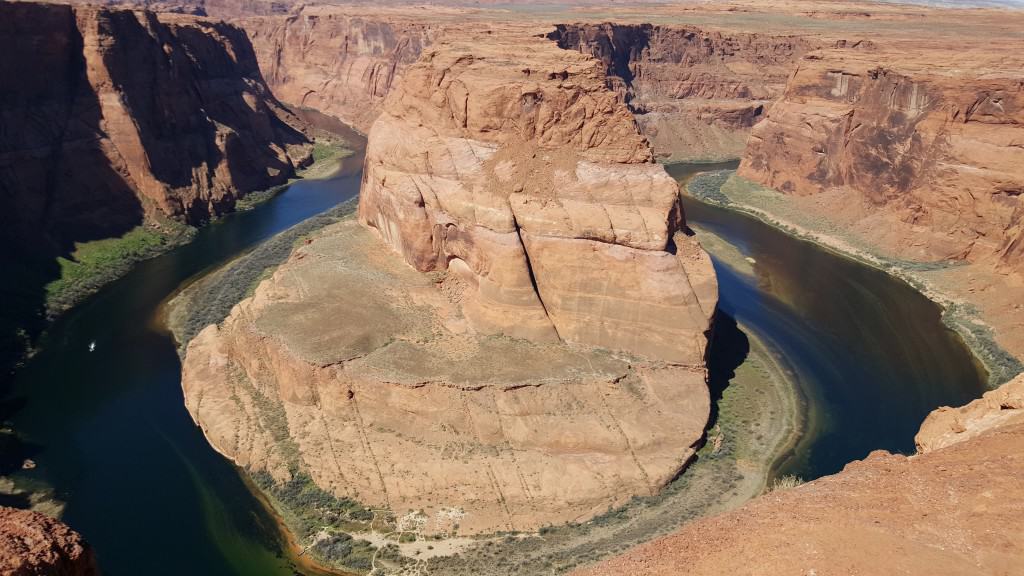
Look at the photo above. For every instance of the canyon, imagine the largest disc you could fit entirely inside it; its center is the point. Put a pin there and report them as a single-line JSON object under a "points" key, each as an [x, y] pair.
{"points": [[115, 137], [530, 350], [143, 125], [511, 331], [695, 92]]}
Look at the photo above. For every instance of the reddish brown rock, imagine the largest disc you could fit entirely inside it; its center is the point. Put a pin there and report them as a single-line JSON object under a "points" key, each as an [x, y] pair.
{"points": [[954, 509], [341, 62], [533, 354], [136, 115], [696, 92], [933, 153], [528, 178], [32, 544]]}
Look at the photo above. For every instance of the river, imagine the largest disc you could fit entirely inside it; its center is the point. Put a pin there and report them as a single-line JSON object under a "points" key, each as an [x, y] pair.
{"points": [[108, 429], [869, 354], [111, 437]]}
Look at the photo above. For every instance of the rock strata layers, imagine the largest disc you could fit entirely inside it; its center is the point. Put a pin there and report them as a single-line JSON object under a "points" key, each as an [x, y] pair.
{"points": [[696, 92], [352, 368], [926, 161], [339, 61], [952, 509], [116, 115], [533, 353], [34, 544], [528, 179]]}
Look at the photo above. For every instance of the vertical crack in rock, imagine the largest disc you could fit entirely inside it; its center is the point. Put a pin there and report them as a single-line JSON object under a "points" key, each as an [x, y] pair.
{"points": [[533, 277]]}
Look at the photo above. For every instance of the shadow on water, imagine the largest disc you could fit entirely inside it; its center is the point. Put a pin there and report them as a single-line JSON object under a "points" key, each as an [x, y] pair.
{"points": [[868, 354], [728, 350], [108, 429]]}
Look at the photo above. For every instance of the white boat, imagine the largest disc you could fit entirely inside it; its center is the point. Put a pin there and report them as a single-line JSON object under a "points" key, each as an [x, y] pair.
{"points": [[92, 346]]}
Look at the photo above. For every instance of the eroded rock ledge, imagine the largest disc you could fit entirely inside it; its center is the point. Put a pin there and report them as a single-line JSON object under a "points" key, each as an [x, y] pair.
{"points": [[542, 358], [926, 161], [954, 508], [527, 178], [32, 543]]}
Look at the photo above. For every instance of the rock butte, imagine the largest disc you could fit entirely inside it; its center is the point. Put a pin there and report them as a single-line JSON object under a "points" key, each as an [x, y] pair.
{"points": [[31, 543], [954, 508], [481, 385]]}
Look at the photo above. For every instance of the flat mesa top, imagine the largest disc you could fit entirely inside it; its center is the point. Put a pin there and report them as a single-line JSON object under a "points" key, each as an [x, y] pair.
{"points": [[345, 297]]}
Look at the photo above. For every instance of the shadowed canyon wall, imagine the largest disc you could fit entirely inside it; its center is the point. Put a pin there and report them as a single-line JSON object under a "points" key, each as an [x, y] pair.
{"points": [[110, 119], [138, 114]]}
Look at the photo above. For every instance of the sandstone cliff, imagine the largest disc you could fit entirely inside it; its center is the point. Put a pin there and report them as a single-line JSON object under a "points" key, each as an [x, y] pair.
{"points": [[34, 544], [530, 181], [117, 115], [484, 387], [925, 161], [696, 92], [340, 62], [953, 509]]}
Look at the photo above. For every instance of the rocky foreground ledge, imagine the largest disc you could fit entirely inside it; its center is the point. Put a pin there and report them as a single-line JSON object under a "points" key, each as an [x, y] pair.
{"points": [[953, 508], [542, 358], [31, 543]]}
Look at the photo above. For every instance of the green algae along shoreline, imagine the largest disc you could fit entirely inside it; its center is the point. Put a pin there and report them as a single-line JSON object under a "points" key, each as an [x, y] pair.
{"points": [[724, 188]]}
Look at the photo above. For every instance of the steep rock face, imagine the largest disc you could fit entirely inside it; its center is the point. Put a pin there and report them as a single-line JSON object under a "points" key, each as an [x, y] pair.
{"points": [[117, 115], [937, 152], [340, 63], [34, 544], [529, 179], [953, 509], [696, 92], [352, 368], [470, 386]]}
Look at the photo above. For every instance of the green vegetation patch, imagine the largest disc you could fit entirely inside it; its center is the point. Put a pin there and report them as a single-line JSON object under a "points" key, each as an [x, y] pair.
{"points": [[98, 262], [317, 516]]}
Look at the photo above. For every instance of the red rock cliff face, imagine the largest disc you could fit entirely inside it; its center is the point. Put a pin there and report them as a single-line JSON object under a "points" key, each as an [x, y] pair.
{"points": [[338, 63], [114, 115], [695, 92], [938, 150], [528, 177], [31, 543]]}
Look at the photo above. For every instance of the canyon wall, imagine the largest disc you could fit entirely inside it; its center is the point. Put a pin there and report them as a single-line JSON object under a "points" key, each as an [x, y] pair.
{"points": [[31, 543], [695, 92], [111, 116], [340, 62], [953, 509], [533, 353], [926, 162]]}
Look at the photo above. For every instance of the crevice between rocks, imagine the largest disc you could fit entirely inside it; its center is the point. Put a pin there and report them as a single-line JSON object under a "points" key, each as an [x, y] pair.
{"points": [[533, 277]]}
